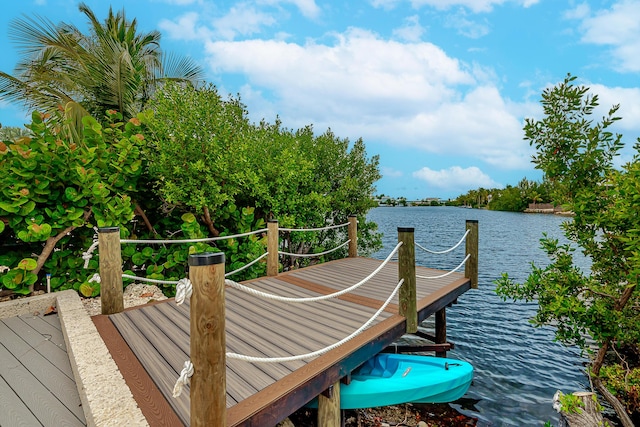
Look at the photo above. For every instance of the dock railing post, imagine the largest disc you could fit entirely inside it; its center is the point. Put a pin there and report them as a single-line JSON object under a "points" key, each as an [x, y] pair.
{"points": [[471, 248], [273, 244], [353, 236], [208, 384], [407, 271], [111, 290]]}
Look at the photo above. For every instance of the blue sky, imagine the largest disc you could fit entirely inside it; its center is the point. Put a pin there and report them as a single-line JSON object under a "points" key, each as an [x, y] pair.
{"points": [[439, 89]]}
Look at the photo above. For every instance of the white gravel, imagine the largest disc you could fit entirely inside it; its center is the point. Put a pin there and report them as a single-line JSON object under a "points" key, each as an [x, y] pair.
{"points": [[134, 295]]}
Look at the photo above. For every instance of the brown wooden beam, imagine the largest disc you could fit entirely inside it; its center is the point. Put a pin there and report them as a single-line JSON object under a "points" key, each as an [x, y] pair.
{"points": [[149, 398]]}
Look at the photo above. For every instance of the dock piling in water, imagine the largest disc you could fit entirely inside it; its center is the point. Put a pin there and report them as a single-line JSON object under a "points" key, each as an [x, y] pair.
{"points": [[471, 266]]}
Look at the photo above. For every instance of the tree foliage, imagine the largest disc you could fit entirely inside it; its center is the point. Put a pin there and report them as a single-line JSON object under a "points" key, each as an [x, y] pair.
{"points": [[200, 170], [577, 154], [52, 186], [113, 66], [210, 159]]}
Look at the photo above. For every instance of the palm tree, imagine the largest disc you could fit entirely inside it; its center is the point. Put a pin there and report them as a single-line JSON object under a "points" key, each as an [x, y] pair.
{"points": [[114, 67]]}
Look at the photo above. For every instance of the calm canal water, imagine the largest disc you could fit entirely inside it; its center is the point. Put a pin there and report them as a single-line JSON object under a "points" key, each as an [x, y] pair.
{"points": [[518, 368]]}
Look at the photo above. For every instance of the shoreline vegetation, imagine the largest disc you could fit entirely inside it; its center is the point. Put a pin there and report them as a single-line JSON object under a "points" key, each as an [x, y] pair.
{"points": [[546, 208]]}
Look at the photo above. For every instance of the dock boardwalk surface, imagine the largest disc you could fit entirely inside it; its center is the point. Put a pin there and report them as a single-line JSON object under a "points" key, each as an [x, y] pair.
{"points": [[151, 343], [37, 386]]}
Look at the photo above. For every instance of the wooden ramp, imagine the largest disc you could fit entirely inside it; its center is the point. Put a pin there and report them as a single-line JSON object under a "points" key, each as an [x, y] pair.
{"points": [[37, 386], [151, 343]]}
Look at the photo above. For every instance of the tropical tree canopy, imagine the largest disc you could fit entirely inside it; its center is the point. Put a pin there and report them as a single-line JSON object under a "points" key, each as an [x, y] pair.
{"points": [[598, 309], [112, 67]]}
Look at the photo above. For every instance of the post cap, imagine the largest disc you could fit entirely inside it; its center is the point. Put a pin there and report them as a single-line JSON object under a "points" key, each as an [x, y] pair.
{"points": [[108, 229], [406, 229], [473, 221], [273, 220], [206, 258]]}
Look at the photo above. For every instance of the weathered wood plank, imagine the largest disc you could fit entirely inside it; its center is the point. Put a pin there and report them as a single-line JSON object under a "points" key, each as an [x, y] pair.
{"points": [[49, 375], [53, 320], [160, 370], [13, 411], [152, 403], [44, 405], [44, 327], [263, 394], [41, 344]]}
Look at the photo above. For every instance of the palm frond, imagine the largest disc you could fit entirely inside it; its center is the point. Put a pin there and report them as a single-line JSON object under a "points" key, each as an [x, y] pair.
{"points": [[181, 68]]}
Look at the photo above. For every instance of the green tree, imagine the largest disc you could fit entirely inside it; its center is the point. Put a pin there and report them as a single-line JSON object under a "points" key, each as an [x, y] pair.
{"points": [[208, 159], [53, 192], [11, 133], [600, 308], [112, 67]]}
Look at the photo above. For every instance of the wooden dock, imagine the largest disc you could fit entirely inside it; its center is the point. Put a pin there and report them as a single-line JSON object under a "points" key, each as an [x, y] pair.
{"points": [[37, 386], [150, 344]]}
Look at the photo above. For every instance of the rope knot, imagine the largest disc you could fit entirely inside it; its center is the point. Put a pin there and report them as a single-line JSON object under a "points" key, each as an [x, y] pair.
{"points": [[86, 256], [184, 289], [183, 379]]}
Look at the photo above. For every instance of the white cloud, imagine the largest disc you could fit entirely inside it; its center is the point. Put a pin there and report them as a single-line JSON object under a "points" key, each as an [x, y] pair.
{"points": [[410, 95], [629, 106], [455, 178], [411, 31], [473, 5], [242, 19], [467, 27], [308, 8], [185, 28], [617, 27]]}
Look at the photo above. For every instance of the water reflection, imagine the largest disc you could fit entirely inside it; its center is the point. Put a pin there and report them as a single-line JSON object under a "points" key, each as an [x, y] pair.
{"points": [[518, 368]]}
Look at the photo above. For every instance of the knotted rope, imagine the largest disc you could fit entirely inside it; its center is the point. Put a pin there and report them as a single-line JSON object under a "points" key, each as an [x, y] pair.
{"points": [[183, 379]]}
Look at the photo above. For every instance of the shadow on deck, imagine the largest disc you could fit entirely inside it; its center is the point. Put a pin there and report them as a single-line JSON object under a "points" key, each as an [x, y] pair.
{"points": [[151, 343]]}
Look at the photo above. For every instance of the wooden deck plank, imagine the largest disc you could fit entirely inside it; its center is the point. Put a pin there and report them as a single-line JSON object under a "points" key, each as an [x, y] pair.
{"points": [[157, 367], [49, 375], [46, 325], [41, 344], [44, 405], [53, 321], [264, 394], [152, 403], [13, 411]]}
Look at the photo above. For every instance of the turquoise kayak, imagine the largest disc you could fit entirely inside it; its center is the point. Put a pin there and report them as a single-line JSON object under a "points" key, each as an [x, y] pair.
{"points": [[391, 379]]}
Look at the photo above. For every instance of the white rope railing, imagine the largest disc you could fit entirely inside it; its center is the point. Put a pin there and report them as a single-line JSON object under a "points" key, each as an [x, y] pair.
{"points": [[315, 254], [175, 282], [329, 227], [204, 239], [86, 256], [244, 267], [146, 279], [187, 370], [447, 273], [273, 297], [357, 332], [447, 250]]}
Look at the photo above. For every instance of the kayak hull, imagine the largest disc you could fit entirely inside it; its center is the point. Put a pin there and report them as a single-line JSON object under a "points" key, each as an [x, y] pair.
{"points": [[391, 379]]}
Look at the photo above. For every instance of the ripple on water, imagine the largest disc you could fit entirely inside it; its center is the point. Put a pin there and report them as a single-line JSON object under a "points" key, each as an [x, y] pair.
{"points": [[518, 368]]}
